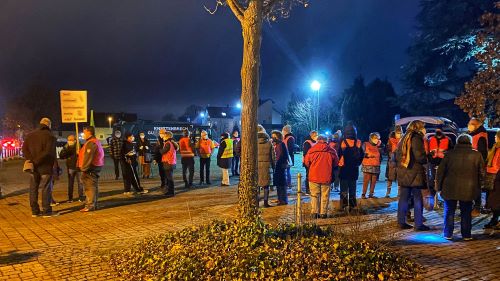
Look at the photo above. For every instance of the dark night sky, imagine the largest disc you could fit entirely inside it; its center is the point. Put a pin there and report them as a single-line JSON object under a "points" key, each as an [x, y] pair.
{"points": [[158, 56]]}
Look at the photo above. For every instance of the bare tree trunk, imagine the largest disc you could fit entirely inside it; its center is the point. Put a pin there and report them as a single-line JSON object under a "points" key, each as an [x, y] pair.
{"points": [[250, 68]]}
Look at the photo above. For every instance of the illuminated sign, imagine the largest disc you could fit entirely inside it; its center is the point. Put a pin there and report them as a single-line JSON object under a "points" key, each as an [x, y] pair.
{"points": [[73, 106]]}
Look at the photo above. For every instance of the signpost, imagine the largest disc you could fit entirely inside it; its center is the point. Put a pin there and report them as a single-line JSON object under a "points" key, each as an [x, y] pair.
{"points": [[74, 109]]}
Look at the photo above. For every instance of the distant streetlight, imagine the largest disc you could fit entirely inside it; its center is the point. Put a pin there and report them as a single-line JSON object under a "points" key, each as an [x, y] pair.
{"points": [[202, 115], [238, 105], [315, 86], [110, 119]]}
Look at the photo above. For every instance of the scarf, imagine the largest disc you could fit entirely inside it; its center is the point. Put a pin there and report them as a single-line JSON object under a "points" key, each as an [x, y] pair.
{"points": [[491, 153], [406, 148]]}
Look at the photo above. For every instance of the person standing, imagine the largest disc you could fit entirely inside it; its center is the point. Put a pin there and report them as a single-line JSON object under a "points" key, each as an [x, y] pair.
{"points": [[479, 136], [350, 157], [115, 150], [308, 143], [205, 148], [282, 162], [129, 159], [144, 149], [334, 143], [459, 179], [169, 159], [493, 182], [157, 158], [322, 161], [187, 158], [39, 147], [90, 162], [289, 140], [391, 168], [224, 157], [235, 163], [439, 144], [266, 162], [411, 174], [371, 164], [69, 153]]}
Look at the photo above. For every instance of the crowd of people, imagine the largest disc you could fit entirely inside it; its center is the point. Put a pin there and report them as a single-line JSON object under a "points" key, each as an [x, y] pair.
{"points": [[421, 165]]}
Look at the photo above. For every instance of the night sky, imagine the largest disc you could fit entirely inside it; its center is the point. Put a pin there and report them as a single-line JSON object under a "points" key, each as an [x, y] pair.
{"points": [[158, 56]]}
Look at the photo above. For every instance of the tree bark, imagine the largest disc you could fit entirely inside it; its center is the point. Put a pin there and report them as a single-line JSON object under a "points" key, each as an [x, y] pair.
{"points": [[250, 69]]}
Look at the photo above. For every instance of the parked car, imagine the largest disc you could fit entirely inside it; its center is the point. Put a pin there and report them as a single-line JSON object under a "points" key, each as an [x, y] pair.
{"points": [[448, 127]]}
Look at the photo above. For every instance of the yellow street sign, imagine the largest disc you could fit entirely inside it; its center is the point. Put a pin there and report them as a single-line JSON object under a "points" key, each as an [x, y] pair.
{"points": [[73, 106]]}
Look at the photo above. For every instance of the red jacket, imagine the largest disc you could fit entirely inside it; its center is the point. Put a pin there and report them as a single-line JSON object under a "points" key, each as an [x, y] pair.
{"points": [[321, 160]]}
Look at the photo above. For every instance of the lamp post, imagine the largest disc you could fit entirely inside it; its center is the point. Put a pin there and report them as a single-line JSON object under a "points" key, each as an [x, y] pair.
{"points": [[315, 86], [109, 120]]}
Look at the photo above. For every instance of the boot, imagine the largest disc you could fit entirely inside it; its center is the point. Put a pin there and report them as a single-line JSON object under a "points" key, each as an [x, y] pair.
{"points": [[266, 197], [388, 193]]}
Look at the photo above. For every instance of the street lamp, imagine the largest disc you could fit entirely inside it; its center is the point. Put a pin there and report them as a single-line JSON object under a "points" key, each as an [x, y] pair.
{"points": [[238, 105], [109, 120], [315, 86]]}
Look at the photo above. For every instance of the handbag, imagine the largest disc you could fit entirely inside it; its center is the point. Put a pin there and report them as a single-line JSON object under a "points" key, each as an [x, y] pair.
{"points": [[28, 167]]}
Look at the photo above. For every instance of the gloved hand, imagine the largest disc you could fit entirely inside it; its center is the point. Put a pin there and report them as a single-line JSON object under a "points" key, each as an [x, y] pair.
{"points": [[147, 147], [141, 147]]}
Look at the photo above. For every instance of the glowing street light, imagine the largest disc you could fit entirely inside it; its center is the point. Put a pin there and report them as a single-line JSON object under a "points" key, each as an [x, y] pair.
{"points": [[315, 86], [202, 115], [109, 120]]}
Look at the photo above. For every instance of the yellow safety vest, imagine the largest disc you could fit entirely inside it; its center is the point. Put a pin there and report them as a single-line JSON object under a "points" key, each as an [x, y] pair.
{"points": [[228, 151]]}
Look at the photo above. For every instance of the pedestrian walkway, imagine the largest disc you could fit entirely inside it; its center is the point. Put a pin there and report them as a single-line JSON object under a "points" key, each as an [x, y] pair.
{"points": [[74, 246]]}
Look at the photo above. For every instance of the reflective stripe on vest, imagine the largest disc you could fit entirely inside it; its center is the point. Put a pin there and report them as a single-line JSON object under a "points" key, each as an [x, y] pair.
{"points": [[170, 157], [98, 157], [373, 154], [228, 151], [477, 137], [185, 147], [439, 146]]}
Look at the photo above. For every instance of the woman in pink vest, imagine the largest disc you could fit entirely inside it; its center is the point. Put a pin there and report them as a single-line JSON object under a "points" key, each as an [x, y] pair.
{"points": [[371, 164], [90, 162]]}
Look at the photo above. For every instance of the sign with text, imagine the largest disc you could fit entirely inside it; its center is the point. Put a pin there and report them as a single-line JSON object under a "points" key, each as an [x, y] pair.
{"points": [[73, 106]]}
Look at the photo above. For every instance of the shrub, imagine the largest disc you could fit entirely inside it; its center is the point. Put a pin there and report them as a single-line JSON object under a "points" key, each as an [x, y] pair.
{"points": [[255, 251]]}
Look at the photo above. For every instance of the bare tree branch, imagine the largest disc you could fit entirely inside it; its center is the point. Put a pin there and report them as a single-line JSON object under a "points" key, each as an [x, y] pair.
{"points": [[237, 9], [212, 12]]}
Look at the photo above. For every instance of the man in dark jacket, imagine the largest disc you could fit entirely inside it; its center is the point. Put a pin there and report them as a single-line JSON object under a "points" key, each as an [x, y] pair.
{"points": [[350, 157], [39, 147], [235, 163], [115, 149], [460, 177], [69, 153], [479, 136], [289, 140]]}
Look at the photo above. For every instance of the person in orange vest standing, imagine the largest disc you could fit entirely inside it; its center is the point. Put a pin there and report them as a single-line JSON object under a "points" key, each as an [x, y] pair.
{"points": [[205, 148], [187, 158], [492, 183], [439, 144], [224, 157], [479, 136], [391, 168], [308, 143], [371, 164], [169, 160], [90, 162]]}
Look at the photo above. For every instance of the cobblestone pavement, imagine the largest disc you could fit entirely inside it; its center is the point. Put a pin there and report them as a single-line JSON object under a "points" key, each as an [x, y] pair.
{"points": [[75, 246]]}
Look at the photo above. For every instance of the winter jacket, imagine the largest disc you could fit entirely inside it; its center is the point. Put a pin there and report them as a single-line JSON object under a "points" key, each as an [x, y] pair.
{"points": [[350, 157], [224, 163], [69, 153], [40, 148], [461, 174], [129, 153], [115, 148], [289, 141], [414, 175], [282, 156], [482, 142], [322, 160], [146, 147], [266, 159], [157, 147], [236, 147]]}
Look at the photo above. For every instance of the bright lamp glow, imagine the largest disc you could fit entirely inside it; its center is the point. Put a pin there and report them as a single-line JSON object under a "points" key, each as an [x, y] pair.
{"points": [[238, 105], [202, 115], [315, 85]]}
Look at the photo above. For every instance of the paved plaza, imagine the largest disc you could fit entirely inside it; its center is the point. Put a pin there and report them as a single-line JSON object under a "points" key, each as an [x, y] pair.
{"points": [[75, 246]]}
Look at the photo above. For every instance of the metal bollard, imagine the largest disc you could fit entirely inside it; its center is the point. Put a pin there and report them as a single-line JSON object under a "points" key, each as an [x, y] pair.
{"points": [[299, 200]]}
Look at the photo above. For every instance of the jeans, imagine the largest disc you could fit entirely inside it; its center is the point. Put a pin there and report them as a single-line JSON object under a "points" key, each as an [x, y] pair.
{"points": [[72, 176], [169, 177], [205, 169], [282, 194], [288, 177], [161, 172], [130, 177], [235, 166], [307, 179], [404, 196], [188, 164], [347, 193], [465, 217], [45, 182], [319, 191], [117, 163], [90, 183]]}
